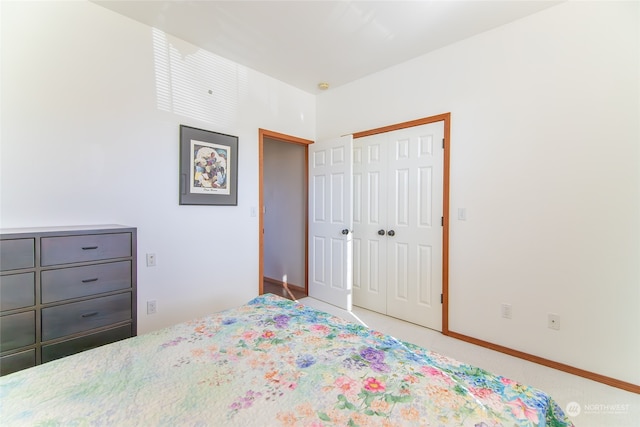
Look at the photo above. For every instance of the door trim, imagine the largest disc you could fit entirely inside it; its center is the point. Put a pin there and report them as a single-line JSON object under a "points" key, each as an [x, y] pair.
{"points": [[262, 134], [446, 118]]}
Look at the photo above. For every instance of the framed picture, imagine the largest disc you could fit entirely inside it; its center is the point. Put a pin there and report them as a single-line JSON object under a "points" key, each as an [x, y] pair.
{"points": [[208, 167]]}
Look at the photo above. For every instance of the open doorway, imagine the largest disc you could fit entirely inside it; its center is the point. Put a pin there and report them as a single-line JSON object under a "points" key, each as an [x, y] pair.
{"points": [[283, 200]]}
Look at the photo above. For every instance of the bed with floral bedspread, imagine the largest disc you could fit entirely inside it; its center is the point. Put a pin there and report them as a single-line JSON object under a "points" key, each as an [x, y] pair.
{"points": [[271, 362]]}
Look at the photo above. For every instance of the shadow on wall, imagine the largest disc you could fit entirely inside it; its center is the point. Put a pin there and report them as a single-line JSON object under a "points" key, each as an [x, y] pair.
{"points": [[195, 83]]}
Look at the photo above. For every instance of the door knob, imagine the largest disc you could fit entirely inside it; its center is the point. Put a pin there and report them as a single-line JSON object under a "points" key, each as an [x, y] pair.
{"points": [[391, 233], [381, 232], [345, 231]]}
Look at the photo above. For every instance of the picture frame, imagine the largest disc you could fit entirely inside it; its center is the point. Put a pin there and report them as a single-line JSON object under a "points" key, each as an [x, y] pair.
{"points": [[208, 167]]}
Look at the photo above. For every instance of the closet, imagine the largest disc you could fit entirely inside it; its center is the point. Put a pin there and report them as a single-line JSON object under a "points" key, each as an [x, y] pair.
{"points": [[397, 223]]}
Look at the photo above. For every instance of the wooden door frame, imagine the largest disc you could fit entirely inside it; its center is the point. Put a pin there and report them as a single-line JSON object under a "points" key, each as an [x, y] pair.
{"points": [[446, 119], [262, 135]]}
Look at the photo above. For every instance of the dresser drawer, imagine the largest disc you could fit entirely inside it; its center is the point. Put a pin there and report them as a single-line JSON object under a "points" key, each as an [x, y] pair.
{"points": [[87, 342], [91, 247], [17, 253], [81, 316], [17, 362], [67, 283], [17, 291], [17, 330]]}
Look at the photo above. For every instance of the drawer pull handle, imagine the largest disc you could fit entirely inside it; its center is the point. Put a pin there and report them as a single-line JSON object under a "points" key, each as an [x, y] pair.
{"points": [[93, 313], [95, 279], [88, 248]]}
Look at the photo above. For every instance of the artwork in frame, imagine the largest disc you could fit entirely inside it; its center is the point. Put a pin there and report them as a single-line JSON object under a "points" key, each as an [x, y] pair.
{"points": [[208, 167]]}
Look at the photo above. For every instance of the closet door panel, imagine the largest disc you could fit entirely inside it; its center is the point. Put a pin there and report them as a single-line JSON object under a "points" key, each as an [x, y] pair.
{"points": [[370, 218], [416, 200]]}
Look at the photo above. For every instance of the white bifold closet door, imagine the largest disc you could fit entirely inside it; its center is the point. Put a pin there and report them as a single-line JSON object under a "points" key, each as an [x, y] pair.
{"points": [[397, 211]]}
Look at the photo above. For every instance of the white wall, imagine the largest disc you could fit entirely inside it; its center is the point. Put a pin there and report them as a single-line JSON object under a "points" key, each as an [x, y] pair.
{"points": [[91, 108], [545, 158], [284, 220]]}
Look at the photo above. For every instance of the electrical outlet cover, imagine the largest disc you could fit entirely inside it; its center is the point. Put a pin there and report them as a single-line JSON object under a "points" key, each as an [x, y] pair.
{"points": [[554, 321]]}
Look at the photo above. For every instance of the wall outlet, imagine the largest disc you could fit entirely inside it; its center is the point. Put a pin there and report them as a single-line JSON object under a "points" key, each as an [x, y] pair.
{"points": [[505, 311], [151, 307], [553, 321], [151, 260]]}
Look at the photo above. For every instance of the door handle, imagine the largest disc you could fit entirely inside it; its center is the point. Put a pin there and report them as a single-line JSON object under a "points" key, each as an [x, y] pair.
{"points": [[391, 233], [345, 231], [381, 232]]}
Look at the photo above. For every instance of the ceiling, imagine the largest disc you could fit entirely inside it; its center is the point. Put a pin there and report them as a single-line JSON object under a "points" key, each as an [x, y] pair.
{"points": [[304, 42]]}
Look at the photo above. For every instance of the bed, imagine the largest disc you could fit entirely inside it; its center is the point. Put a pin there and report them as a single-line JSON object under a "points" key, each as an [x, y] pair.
{"points": [[270, 362]]}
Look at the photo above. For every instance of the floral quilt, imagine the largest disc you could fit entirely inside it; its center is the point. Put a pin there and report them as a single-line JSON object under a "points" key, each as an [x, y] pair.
{"points": [[271, 362]]}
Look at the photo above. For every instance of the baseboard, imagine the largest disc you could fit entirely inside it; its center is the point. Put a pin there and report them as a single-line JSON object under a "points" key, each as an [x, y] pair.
{"points": [[281, 283], [633, 388]]}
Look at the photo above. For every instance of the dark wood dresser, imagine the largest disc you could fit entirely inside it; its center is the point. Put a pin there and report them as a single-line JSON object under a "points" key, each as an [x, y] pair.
{"points": [[64, 290]]}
